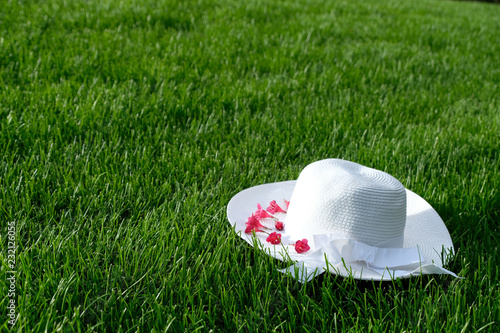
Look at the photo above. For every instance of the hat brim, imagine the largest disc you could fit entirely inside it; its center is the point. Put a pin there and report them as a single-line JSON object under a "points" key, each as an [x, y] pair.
{"points": [[424, 229]]}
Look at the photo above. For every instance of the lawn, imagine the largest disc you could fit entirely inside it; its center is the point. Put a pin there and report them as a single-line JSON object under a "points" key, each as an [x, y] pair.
{"points": [[127, 126]]}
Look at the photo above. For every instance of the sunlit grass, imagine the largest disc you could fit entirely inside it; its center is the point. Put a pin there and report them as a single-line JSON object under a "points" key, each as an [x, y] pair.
{"points": [[127, 126]]}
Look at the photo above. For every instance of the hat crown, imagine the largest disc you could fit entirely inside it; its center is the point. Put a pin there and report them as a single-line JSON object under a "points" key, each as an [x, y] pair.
{"points": [[342, 197]]}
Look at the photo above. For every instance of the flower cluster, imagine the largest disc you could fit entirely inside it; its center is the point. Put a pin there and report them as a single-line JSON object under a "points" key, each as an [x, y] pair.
{"points": [[254, 225]]}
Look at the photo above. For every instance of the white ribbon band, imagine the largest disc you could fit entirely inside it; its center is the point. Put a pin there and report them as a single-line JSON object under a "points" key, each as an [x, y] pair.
{"points": [[334, 253], [375, 257]]}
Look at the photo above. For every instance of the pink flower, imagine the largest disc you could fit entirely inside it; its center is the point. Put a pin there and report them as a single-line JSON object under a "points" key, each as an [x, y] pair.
{"points": [[274, 208], [274, 238], [302, 246], [279, 225], [287, 203], [253, 224], [260, 213], [250, 228]]}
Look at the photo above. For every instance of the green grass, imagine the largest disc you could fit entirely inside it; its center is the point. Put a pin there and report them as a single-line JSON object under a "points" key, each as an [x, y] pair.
{"points": [[127, 126]]}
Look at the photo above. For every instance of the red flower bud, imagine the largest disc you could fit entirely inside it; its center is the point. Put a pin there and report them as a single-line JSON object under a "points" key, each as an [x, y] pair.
{"points": [[260, 213], [274, 238], [279, 225], [274, 208], [253, 224], [302, 246]]}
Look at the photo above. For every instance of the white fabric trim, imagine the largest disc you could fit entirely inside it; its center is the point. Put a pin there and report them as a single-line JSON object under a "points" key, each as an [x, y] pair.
{"points": [[336, 253]]}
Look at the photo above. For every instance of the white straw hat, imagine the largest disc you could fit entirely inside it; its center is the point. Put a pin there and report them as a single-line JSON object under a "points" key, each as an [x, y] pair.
{"points": [[342, 217]]}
